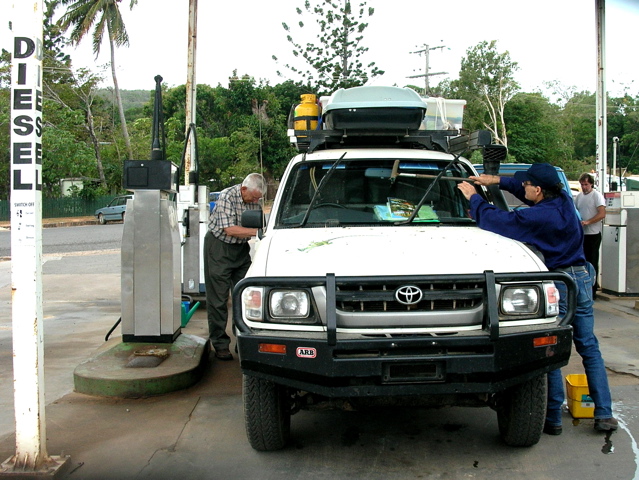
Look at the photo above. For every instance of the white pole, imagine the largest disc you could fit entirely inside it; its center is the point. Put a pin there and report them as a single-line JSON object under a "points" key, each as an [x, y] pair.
{"points": [[26, 233], [26, 241], [191, 91], [602, 115], [615, 142], [426, 69]]}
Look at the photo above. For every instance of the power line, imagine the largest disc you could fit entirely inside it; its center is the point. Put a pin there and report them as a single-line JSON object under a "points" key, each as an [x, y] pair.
{"points": [[426, 51]]}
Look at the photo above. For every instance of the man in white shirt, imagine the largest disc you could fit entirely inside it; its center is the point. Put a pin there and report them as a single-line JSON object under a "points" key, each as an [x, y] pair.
{"points": [[592, 207]]}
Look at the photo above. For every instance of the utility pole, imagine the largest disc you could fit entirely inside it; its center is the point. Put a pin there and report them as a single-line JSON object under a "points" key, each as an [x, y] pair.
{"points": [[602, 113], [191, 94], [426, 51]]}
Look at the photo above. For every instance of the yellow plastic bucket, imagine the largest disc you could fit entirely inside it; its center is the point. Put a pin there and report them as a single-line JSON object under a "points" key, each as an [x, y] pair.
{"points": [[580, 404]]}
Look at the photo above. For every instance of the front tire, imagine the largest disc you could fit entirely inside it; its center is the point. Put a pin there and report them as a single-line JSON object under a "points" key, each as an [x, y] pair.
{"points": [[101, 219], [267, 413], [521, 412]]}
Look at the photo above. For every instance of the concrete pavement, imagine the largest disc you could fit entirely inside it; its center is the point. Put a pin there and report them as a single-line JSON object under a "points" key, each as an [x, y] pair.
{"points": [[198, 433]]}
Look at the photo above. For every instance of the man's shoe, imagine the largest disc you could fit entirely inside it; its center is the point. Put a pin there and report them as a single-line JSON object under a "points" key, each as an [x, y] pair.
{"points": [[606, 424], [223, 354], [552, 429]]}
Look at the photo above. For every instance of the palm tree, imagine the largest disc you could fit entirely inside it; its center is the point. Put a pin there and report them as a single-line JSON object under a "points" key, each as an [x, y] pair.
{"points": [[82, 15]]}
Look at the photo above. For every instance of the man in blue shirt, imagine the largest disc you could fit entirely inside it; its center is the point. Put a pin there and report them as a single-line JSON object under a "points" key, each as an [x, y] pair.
{"points": [[553, 228]]}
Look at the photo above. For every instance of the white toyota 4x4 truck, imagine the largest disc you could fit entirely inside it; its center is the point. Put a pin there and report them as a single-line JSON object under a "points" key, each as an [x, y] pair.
{"points": [[371, 283]]}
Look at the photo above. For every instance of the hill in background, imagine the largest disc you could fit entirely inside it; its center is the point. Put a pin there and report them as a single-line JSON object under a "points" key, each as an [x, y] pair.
{"points": [[133, 101]]}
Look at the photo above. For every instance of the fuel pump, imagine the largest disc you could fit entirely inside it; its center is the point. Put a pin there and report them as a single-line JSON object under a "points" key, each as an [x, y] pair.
{"points": [[150, 278], [193, 216], [152, 308]]}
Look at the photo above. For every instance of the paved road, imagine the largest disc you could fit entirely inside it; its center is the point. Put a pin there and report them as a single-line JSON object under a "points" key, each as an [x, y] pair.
{"points": [[72, 239]]}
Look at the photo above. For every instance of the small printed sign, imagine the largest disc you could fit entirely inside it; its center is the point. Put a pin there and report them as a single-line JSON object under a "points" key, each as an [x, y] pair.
{"points": [[306, 352]]}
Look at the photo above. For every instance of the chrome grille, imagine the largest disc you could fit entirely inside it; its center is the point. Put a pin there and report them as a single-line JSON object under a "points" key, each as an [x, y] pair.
{"points": [[436, 297]]}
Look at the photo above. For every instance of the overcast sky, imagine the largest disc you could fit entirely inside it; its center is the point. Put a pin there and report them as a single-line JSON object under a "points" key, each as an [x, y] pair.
{"points": [[550, 40]]}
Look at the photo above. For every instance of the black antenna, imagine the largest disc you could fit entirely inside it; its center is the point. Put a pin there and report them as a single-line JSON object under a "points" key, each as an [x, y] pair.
{"points": [[157, 135]]}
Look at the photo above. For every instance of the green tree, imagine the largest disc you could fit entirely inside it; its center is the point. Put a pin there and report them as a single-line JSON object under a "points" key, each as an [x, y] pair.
{"points": [[534, 133], [623, 122], [62, 155], [288, 94], [216, 156], [75, 93], [229, 120], [334, 56], [82, 15], [578, 119], [486, 81], [56, 62]]}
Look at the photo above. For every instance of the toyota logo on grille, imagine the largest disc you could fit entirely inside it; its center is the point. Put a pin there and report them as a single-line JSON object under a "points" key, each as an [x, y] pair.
{"points": [[408, 295]]}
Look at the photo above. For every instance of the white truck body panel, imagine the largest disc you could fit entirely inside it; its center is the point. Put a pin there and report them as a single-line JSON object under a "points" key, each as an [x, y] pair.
{"points": [[351, 251]]}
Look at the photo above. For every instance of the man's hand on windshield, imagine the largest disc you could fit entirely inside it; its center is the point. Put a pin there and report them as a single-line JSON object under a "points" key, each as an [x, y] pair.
{"points": [[486, 180], [467, 189]]}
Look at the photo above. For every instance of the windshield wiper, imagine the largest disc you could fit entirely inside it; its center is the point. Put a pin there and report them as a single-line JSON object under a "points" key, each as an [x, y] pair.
{"points": [[317, 191], [430, 187]]}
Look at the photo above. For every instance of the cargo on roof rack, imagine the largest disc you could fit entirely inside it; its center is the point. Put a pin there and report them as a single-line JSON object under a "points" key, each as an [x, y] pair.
{"points": [[374, 108], [383, 116]]}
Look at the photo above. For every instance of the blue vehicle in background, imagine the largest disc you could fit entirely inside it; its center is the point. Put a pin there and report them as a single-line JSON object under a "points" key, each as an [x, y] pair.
{"points": [[114, 211], [213, 196], [509, 169]]}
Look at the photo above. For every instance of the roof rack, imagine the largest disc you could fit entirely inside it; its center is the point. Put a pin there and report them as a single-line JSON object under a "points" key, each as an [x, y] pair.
{"points": [[449, 141]]}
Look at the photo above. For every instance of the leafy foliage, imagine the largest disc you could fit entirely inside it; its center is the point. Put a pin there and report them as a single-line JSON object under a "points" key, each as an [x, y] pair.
{"points": [[62, 155], [579, 121], [533, 131], [536, 133], [623, 122], [81, 16], [333, 57], [55, 60], [486, 81]]}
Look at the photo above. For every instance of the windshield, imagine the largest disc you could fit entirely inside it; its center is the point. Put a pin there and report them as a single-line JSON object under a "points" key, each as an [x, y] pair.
{"points": [[374, 192]]}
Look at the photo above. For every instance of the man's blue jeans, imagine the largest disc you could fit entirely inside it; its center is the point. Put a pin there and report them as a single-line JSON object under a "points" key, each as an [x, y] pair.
{"points": [[588, 348]]}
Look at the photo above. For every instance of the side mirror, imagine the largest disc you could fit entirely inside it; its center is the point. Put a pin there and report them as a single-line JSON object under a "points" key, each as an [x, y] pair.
{"points": [[253, 219]]}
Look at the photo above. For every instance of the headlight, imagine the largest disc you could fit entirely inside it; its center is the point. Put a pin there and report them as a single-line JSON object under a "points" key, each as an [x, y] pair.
{"points": [[252, 302], [289, 304], [520, 300]]}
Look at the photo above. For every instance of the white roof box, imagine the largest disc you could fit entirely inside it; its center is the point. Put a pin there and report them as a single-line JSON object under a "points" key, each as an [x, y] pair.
{"points": [[374, 107]]}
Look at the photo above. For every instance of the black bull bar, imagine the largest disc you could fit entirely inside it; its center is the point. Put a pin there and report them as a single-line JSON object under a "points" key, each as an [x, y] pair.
{"points": [[489, 279]]}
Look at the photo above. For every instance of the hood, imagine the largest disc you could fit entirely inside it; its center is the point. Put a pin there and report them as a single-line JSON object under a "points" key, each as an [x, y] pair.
{"points": [[389, 251]]}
